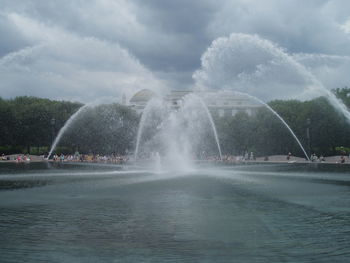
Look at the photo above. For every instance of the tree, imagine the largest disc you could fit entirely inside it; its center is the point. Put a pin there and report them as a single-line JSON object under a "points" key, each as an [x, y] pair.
{"points": [[104, 129], [265, 134], [343, 94], [26, 121]]}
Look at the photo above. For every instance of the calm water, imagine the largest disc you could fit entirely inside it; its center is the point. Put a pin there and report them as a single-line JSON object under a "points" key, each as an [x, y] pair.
{"points": [[251, 213]]}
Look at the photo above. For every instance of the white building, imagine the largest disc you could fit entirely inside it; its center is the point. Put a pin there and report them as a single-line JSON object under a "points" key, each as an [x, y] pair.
{"points": [[220, 103], [140, 99]]}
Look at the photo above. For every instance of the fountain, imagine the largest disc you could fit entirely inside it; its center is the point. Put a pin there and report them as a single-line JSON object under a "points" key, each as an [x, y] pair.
{"points": [[279, 117], [260, 68], [179, 131], [66, 126], [175, 131], [158, 164], [154, 103], [208, 214], [212, 125]]}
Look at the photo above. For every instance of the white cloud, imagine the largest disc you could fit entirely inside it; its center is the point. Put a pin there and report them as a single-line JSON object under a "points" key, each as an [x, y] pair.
{"points": [[346, 26], [91, 42], [258, 67], [60, 64], [331, 70], [298, 25], [250, 64]]}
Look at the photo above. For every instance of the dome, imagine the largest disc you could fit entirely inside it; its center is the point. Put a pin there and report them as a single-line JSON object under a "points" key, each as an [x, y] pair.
{"points": [[142, 95]]}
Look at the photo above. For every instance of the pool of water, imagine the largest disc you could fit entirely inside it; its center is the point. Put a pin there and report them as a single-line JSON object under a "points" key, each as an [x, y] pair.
{"points": [[107, 213]]}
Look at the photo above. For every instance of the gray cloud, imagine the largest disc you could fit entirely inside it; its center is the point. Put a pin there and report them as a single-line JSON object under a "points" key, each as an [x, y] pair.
{"points": [[115, 46], [299, 26], [63, 65], [331, 70], [250, 64], [11, 39]]}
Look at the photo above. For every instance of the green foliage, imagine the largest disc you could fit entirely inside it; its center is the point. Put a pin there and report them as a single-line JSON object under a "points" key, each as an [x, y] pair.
{"points": [[343, 94], [29, 125], [25, 122], [108, 128], [26, 126], [264, 133]]}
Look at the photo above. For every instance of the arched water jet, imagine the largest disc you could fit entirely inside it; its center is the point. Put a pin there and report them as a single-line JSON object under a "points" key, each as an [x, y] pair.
{"points": [[154, 102], [212, 124], [334, 101], [158, 165], [260, 67], [339, 105], [176, 140], [66, 126], [279, 117], [176, 134]]}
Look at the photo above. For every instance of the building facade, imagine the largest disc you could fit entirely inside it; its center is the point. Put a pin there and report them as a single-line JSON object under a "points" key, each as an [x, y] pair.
{"points": [[219, 103]]}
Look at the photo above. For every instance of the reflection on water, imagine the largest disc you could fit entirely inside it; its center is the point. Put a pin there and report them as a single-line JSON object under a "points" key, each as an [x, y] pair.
{"points": [[77, 213]]}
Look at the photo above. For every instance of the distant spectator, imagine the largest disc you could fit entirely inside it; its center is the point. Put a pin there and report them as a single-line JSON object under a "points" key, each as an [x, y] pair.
{"points": [[246, 156], [289, 155], [314, 158], [19, 159]]}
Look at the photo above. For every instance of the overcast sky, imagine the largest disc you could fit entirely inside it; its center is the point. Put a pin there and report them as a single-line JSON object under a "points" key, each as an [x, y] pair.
{"points": [[88, 49]]}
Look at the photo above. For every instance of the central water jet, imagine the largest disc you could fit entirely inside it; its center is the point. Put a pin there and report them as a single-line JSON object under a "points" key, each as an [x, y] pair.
{"points": [[180, 132]]}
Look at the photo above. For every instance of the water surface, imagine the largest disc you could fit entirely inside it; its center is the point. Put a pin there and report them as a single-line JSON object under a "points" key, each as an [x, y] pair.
{"points": [[108, 213]]}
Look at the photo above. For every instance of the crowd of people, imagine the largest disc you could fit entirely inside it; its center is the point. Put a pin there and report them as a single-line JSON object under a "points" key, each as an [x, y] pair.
{"points": [[239, 158], [18, 158], [322, 159], [4, 157], [122, 159], [315, 158], [92, 158]]}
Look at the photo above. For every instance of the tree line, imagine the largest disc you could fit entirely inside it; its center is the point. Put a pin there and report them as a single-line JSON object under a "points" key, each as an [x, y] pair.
{"points": [[319, 127], [29, 125]]}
